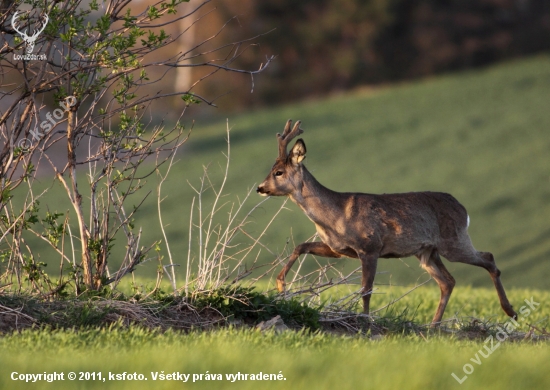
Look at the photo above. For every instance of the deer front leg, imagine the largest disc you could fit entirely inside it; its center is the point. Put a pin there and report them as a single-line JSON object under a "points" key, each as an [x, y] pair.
{"points": [[315, 248], [368, 265]]}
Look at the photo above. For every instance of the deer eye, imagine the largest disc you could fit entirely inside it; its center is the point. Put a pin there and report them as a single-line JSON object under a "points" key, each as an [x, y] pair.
{"points": [[278, 173]]}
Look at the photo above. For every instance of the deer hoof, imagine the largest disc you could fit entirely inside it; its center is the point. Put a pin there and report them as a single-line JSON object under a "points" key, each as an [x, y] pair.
{"points": [[281, 285]]}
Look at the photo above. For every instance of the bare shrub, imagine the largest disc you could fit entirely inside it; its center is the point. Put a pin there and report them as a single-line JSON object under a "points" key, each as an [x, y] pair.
{"points": [[90, 96]]}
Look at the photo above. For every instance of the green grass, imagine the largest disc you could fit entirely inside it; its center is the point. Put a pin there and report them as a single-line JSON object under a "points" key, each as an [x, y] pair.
{"points": [[480, 303], [481, 136], [306, 360]]}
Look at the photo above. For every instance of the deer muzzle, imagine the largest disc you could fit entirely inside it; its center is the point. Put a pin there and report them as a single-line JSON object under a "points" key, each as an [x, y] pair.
{"points": [[262, 191]]}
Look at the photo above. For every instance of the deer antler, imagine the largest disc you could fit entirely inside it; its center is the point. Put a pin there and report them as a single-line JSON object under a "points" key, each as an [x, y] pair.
{"points": [[13, 24], [287, 136]]}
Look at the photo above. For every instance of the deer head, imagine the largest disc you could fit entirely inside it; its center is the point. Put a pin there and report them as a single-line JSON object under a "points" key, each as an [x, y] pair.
{"points": [[286, 174], [29, 40]]}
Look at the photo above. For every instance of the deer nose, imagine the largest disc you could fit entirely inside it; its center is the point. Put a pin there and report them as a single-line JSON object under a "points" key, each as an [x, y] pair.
{"points": [[260, 190]]}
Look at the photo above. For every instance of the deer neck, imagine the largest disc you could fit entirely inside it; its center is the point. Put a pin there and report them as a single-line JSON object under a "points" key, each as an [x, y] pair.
{"points": [[317, 201]]}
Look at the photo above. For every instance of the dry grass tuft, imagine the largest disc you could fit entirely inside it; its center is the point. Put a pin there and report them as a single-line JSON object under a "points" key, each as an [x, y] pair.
{"points": [[17, 314]]}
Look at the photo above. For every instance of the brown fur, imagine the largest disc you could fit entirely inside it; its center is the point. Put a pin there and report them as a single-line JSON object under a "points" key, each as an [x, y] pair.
{"points": [[369, 226]]}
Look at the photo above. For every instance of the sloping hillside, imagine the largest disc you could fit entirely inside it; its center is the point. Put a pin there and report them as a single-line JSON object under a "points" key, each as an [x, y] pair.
{"points": [[483, 136]]}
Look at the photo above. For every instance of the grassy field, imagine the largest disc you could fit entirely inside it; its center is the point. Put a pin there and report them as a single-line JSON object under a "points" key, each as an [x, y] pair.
{"points": [[482, 136], [305, 360]]}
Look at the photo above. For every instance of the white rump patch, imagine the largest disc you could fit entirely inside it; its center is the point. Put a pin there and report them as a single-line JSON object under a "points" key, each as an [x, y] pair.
{"points": [[467, 221]]}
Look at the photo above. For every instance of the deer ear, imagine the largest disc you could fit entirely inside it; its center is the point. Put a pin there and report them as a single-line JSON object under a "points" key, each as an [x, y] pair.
{"points": [[298, 152]]}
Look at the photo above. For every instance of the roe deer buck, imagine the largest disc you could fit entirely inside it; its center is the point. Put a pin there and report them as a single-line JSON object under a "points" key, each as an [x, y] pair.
{"points": [[368, 226]]}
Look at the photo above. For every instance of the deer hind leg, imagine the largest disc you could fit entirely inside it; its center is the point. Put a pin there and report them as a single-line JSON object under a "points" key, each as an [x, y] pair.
{"points": [[315, 248], [469, 255], [431, 262]]}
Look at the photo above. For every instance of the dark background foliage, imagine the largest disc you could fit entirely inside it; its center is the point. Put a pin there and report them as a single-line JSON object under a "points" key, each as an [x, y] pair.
{"points": [[334, 45]]}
